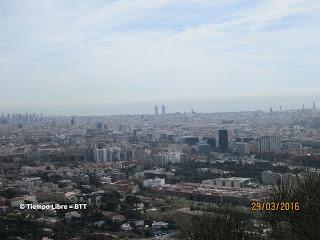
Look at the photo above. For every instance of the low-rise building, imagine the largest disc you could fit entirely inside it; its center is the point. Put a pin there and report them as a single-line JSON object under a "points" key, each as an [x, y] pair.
{"points": [[157, 182], [232, 182]]}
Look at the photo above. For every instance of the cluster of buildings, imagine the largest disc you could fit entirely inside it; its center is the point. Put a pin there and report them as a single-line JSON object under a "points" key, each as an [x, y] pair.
{"points": [[85, 159]]}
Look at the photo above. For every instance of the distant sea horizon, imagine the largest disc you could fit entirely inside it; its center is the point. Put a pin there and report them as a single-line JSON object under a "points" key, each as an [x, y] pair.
{"points": [[237, 104]]}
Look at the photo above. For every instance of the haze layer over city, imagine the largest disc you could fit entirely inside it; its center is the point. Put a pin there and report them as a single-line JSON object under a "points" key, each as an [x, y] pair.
{"points": [[159, 120], [69, 54]]}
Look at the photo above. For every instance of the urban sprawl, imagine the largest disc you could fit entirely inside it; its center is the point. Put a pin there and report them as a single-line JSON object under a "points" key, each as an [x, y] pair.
{"points": [[133, 171]]}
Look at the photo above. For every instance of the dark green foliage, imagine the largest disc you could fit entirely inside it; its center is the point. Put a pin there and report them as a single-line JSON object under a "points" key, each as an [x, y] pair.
{"points": [[9, 193], [18, 226], [304, 223], [231, 224], [132, 200], [132, 214], [110, 201]]}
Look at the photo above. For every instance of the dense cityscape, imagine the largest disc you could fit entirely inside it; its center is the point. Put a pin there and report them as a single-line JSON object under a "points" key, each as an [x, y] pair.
{"points": [[135, 176], [159, 120]]}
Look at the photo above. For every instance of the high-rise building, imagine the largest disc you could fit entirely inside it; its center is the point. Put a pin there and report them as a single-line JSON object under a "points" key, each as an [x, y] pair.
{"points": [[88, 154], [223, 140], [163, 110], [270, 144], [106, 154], [242, 148], [72, 121], [314, 106], [212, 142], [156, 111]]}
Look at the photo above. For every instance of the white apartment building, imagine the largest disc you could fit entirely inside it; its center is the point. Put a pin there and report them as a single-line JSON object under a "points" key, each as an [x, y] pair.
{"points": [[232, 182], [106, 154], [157, 182]]}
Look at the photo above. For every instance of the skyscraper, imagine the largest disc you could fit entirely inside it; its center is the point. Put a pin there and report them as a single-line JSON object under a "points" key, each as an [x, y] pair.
{"points": [[156, 111], [163, 110], [270, 144], [73, 121], [223, 140]]}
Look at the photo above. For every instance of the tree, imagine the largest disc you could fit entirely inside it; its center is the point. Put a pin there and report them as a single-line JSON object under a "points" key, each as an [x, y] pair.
{"points": [[229, 224], [303, 222], [132, 200], [111, 201]]}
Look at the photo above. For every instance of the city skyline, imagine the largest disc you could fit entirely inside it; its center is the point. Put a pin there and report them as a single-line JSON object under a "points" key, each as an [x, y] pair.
{"points": [[159, 119], [196, 105], [69, 53]]}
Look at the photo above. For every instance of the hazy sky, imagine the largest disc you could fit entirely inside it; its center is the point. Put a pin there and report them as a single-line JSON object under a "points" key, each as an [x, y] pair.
{"points": [[73, 52]]}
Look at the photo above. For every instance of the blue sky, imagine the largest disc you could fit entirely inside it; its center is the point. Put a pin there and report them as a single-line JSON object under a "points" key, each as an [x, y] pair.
{"points": [[74, 52]]}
